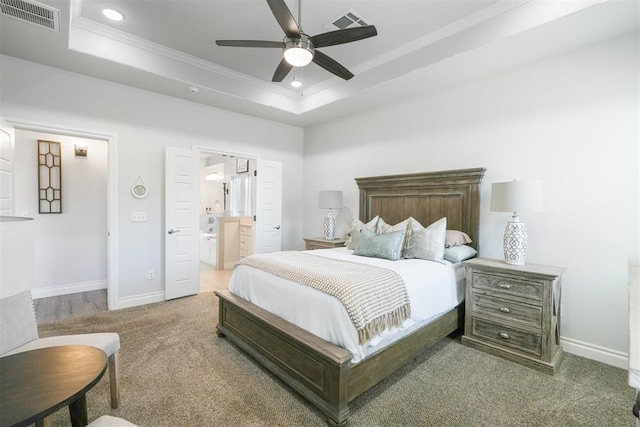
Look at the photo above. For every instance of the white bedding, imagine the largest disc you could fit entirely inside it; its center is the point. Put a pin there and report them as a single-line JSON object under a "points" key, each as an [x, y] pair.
{"points": [[433, 289]]}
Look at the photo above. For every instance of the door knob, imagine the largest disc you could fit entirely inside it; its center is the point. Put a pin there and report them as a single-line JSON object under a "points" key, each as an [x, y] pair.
{"points": [[277, 227], [171, 231]]}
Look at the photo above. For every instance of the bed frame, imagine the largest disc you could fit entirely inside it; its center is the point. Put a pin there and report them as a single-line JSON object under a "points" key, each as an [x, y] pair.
{"points": [[322, 372]]}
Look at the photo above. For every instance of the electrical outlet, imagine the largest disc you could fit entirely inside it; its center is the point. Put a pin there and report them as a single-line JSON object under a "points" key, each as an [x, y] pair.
{"points": [[151, 274]]}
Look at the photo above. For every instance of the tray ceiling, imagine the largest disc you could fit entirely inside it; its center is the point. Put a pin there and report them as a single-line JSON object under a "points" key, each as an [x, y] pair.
{"points": [[169, 47]]}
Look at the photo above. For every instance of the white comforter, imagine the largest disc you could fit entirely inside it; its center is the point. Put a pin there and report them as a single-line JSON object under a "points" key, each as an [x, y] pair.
{"points": [[434, 288]]}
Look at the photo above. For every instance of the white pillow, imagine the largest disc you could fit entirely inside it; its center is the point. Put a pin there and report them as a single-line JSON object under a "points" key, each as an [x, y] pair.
{"points": [[456, 238], [356, 227], [425, 243], [383, 227]]}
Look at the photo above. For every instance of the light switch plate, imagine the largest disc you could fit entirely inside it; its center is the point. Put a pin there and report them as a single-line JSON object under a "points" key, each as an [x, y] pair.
{"points": [[138, 216]]}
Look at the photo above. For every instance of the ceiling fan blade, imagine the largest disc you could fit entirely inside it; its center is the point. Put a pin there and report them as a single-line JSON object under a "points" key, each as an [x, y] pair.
{"points": [[249, 43], [281, 72], [284, 17], [347, 35], [331, 65]]}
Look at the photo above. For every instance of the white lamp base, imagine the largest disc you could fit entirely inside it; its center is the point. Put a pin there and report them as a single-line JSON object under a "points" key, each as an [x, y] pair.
{"points": [[330, 226], [515, 242]]}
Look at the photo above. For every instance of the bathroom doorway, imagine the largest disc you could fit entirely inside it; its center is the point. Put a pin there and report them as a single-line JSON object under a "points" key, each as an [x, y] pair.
{"points": [[227, 200]]}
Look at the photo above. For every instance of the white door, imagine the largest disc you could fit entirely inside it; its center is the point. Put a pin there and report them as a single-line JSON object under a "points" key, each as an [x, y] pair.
{"points": [[7, 196], [268, 207], [182, 201]]}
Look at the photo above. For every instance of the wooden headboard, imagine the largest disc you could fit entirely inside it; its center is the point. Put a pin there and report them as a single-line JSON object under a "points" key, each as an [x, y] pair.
{"points": [[427, 197]]}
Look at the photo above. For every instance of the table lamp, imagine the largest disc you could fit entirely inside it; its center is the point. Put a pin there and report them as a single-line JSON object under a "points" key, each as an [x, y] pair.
{"points": [[516, 196], [330, 199]]}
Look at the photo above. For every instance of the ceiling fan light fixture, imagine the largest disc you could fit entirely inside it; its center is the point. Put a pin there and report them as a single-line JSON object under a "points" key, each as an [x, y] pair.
{"points": [[295, 82], [298, 51]]}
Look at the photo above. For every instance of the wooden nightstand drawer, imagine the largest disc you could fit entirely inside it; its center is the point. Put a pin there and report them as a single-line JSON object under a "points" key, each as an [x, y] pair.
{"points": [[513, 311], [509, 285], [523, 341], [525, 314]]}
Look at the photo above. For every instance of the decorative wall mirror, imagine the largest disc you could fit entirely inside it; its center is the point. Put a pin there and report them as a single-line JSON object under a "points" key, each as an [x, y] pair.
{"points": [[49, 177], [139, 190]]}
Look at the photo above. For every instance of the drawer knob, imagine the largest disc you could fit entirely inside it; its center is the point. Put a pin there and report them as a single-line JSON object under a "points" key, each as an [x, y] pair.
{"points": [[505, 309], [504, 335], [504, 285]]}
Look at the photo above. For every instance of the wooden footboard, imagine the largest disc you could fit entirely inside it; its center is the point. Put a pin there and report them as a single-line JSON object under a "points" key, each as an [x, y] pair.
{"points": [[314, 367], [320, 371]]}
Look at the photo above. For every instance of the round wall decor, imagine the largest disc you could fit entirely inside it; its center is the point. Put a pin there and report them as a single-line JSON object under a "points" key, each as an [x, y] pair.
{"points": [[139, 190]]}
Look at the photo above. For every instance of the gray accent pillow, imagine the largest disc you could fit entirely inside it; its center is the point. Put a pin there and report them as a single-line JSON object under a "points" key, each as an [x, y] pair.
{"points": [[459, 253], [356, 227], [387, 245], [426, 243]]}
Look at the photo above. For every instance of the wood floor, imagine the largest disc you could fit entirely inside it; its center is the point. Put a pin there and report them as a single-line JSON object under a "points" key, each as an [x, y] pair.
{"points": [[51, 309]]}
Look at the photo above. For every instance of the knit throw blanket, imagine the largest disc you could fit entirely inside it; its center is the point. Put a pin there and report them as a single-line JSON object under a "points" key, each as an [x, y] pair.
{"points": [[375, 298]]}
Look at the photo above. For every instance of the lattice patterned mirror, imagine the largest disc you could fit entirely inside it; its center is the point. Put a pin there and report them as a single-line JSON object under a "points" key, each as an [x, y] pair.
{"points": [[49, 177]]}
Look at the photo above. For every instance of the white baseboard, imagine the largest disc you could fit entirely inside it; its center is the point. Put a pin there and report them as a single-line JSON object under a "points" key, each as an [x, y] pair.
{"points": [[71, 288], [137, 300], [594, 352]]}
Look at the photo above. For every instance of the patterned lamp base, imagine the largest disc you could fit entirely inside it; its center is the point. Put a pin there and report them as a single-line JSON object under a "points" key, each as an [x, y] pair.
{"points": [[515, 242], [330, 226]]}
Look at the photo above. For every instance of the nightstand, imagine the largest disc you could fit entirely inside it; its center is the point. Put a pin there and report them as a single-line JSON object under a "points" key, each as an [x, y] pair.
{"points": [[514, 312], [322, 243]]}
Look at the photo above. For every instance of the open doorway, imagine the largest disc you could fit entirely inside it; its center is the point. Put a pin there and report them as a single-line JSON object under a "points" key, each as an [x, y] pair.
{"points": [[226, 218], [65, 192], [110, 194]]}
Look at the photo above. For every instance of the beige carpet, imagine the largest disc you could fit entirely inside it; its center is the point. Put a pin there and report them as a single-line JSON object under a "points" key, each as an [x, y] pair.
{"points": [[175, 371]]}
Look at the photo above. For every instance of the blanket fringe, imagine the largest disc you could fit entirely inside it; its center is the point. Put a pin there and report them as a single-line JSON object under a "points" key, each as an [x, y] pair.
{"points": [[382, 323]]}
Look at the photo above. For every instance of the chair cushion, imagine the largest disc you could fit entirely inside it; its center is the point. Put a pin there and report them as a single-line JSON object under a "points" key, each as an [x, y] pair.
{"points": [[109, 421], [18, 324], [107, 342]]}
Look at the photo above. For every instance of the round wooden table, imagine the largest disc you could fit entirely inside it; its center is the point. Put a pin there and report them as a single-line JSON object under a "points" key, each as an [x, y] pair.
{"points": [[35, 384]]}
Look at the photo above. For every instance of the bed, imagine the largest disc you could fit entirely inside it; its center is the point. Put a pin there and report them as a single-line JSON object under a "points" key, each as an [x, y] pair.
{"points": [[324, 373]]}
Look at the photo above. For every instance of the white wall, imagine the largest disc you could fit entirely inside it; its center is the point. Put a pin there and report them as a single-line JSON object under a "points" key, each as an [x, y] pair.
{"points": [[144, 123], [570, 121], [70, 249]]}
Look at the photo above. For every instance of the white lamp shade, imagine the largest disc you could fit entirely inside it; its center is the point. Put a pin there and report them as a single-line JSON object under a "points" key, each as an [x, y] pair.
{"points": [[330, 199], [516, 196]]}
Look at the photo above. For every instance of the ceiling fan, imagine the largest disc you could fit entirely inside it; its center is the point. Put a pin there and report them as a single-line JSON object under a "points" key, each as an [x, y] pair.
{"points": [[299, 48]]}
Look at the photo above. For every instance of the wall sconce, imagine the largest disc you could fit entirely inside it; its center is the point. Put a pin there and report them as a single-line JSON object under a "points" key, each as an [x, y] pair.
{"points": [[81, 150]]}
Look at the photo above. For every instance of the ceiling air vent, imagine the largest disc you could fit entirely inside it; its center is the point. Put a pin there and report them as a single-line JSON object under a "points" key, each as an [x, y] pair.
{"points": [[32, 12], [347, 20]]}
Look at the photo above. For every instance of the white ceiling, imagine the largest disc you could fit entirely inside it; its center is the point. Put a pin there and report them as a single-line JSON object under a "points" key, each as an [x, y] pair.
{"points": [[168, 46]]}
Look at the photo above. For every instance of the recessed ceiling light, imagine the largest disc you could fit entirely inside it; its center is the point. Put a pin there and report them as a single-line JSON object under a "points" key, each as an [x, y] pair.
{"points": [[112, 14]]}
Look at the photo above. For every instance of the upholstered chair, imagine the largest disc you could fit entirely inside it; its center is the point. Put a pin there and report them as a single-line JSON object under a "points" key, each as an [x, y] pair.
{"points": [[19, 332]]}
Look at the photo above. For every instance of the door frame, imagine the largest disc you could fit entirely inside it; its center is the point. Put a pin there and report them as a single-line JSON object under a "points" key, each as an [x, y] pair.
{"points": [[112, 189], [207, 150]]}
